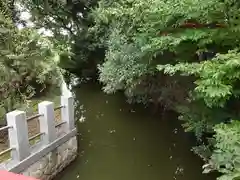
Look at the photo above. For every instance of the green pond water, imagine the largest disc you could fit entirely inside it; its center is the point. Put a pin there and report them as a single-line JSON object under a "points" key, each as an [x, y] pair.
{"points": [[118, 141]]}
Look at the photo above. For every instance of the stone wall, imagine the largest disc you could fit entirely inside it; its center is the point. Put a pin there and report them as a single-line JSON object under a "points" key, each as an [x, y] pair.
{"points": [[54, 162]]}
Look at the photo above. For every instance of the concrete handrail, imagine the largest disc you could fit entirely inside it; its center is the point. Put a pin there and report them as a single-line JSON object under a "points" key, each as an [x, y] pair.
{"points": [[18, 129]]}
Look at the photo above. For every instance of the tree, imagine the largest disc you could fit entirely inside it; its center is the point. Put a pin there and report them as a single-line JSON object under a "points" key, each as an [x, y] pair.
{"points": [[180, 54], [193, 44], [28, 62], [70, 22], [226, 157]]}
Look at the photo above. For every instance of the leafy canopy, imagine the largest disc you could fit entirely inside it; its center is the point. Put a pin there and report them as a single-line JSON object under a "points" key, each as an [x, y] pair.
{"points": [[155, 46], [28, 62], [226, 155]]}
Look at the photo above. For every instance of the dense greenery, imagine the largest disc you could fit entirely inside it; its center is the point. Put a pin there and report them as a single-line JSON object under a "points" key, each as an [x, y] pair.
{"points": [[181, 55], [225, 157], [28, 61], [195, 47], [69, 22]]}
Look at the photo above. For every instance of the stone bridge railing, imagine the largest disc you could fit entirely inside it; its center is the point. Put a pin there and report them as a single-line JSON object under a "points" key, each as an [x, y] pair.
{"points": [[56, 146]]}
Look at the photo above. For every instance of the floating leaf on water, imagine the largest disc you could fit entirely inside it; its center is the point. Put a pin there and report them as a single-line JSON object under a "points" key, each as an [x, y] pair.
{"points": [[175, 130], [82, 119], [179, 170], [112, 131]]}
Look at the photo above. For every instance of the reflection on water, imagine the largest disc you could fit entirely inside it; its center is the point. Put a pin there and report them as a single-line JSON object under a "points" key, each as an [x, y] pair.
{"points": [[119, 141]]}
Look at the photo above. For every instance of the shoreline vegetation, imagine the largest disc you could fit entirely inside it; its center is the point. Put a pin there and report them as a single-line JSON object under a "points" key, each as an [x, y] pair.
{"points": [[180, 55]]}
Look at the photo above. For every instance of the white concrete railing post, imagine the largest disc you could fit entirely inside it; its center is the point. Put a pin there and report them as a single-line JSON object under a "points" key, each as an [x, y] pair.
{"points": [[47, 123], [67, 112], [18, 135]]}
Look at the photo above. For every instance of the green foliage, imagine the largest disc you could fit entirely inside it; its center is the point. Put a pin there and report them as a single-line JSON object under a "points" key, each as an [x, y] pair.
{"points": [[136, 25], [202, 61], [226, 154], [216, 78], [154, 53], [28, 63], [127, 67], [70, 24]]}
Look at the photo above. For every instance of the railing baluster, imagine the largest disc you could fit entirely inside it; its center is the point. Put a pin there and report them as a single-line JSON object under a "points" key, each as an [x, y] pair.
{"points": [[18, 129], [67, 112], [18, 135], [47, 124]]}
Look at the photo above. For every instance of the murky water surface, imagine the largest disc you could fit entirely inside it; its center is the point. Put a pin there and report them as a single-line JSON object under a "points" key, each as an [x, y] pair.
{"points": [[123, 142]]}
